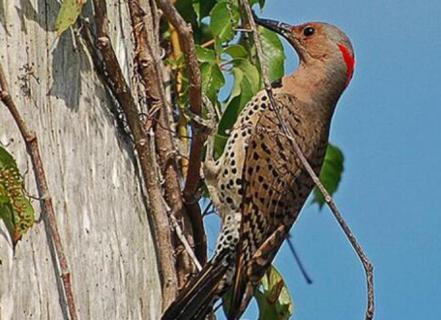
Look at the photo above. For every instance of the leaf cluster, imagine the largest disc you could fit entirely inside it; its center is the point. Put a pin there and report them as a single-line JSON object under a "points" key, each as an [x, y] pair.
{"points": [[225, 52]]}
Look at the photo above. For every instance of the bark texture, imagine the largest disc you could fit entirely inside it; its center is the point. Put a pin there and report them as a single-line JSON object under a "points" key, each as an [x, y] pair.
{"points": [[92, 174]]}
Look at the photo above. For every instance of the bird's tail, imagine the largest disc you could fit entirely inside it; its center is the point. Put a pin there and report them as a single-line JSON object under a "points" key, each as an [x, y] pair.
{"points": [[198, 296]]}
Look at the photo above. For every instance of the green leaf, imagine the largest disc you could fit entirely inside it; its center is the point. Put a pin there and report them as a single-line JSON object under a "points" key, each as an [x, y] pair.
{"points": [[6, 159], [236, 51], [187, 11], [15, 209], [224, 17], [220, 141], [205, 55], [242, 93], [250, 72], [203, 8], [273, 297], [330, 174], [273, 54], [246, 85], [7, 215], [212, 80], [68, 14]]}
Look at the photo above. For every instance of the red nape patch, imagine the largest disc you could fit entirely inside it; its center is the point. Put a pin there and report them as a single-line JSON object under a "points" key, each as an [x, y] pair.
{"points": [[350, 62]]}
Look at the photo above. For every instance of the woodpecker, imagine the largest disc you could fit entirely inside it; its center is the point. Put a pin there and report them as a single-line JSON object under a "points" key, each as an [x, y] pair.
{"points": [[259, 185]]}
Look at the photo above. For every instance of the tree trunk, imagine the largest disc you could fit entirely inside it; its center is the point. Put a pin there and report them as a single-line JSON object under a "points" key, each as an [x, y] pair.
{"points": [[91, 170]]}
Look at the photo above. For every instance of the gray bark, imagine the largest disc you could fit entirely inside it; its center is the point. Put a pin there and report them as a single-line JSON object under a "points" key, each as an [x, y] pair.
{"points": [[92, 175]]}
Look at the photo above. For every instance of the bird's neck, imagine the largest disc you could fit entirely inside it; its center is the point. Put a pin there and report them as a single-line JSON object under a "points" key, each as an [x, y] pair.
{"points": [[316, 85]]}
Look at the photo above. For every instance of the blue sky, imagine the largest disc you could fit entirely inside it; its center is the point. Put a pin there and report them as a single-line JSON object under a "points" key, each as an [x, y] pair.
{"points": [[388, 123]]}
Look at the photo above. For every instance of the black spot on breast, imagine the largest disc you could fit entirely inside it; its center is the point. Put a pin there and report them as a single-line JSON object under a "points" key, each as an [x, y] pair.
{"points": [[265, 148], [283, 156], [255, 156], [229, 200]]}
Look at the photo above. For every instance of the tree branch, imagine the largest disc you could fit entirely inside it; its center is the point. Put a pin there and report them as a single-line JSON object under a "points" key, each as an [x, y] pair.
{"points": [[195, 97], [148, 62], [146, 154], [49, 218], [368, 267]]}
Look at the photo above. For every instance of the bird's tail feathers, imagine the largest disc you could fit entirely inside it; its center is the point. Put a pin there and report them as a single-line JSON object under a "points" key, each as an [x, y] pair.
{"points": [[195, 300]]}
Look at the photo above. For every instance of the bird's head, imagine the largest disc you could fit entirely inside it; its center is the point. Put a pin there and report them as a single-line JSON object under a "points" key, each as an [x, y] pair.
{"points": [[318, 43]]}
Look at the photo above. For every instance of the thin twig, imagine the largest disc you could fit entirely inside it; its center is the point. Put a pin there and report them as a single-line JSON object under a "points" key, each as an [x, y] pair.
{"points": [[43, 190], [367, 265], [192, 182], [146, 154], [298, 261], [208, 43], [207, 208], [184, 241]]}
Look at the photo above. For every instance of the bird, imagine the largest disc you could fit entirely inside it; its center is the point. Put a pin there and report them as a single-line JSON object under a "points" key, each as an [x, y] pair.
{"points": [[259, 184]]}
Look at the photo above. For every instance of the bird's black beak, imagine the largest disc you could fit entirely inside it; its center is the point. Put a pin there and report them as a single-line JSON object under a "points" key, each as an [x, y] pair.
{"points": [[281, 28]]}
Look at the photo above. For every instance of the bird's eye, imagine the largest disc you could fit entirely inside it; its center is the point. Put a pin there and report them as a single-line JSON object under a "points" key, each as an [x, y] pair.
{"points": [[308, 31]]}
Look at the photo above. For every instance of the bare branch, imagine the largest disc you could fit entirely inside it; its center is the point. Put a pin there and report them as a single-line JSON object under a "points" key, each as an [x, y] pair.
{"points": [[123, 95], [46, 200], [368, 267], [195, 96], [148, 63], [184, 241], [298, 261]]}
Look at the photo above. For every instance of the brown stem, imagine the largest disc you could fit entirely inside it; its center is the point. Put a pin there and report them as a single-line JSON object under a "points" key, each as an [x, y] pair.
{"points": [[182, 121], [148, 62], [192, 182], [145, 151], [367, 265], [43, 189]]}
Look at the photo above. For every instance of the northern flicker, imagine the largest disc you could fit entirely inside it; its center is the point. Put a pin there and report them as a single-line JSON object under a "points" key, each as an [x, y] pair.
{"points": [[259, 185]]}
